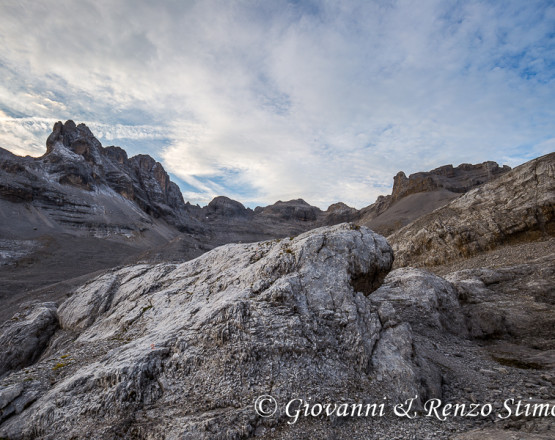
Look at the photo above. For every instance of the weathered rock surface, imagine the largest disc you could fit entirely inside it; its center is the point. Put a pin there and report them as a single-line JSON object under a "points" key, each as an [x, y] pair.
{"points": [[519, 205], [501, 434], [385, 217], [225, 207], [512, 308], [427, 302], [25, 337], [14, 399], [340, 213], [183, 350]]}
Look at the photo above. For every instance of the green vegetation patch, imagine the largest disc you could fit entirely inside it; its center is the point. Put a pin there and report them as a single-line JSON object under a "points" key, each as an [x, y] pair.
{"points": [[60, 365]]}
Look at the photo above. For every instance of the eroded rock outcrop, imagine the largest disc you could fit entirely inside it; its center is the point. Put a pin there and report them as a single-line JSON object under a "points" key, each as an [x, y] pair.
{"points": [[339, 213], [183, 350], [518, 205], [511, 303], [458, 179], [427, 302], [423, 192]]}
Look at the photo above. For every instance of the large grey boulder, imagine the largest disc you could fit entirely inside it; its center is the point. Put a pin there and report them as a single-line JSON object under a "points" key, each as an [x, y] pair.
{"points": [[183, 350], [427, 302], [412, 300]]}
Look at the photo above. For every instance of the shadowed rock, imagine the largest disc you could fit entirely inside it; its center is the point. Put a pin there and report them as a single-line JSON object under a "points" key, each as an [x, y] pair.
{"points": [[26, 335]]}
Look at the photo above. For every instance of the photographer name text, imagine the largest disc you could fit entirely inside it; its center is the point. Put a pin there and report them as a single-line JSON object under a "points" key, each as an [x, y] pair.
{"points": [[295, 409]]}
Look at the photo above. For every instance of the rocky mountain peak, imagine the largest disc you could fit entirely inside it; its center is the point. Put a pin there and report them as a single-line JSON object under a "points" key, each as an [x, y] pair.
{"points": [[226, 207], [117, 154], [296, 209], [75, 161], [339, 213], [339, 207], [77, 138], [456, 179]]}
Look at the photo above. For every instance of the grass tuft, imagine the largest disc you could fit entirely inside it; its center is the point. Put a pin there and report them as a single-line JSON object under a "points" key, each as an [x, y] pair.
{"points": [[59, 365]]}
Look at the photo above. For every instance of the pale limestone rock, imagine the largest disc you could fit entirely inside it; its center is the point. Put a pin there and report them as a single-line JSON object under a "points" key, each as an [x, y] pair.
{"points": [[186, 348]]}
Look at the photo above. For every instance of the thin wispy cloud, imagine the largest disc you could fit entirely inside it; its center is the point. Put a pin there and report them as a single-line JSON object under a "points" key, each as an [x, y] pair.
{"points": [[263, 101]]}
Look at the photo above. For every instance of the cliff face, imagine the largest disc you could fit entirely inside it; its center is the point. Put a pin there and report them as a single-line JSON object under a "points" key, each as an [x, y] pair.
{"points": [[455, 179], [517, 206]]}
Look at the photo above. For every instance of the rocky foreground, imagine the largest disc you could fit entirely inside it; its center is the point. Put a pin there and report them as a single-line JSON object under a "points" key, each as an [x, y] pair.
{"points": [[183, 351]]}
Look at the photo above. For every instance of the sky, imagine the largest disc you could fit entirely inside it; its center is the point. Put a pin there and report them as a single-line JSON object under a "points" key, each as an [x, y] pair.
{"points": [[278, 100]]}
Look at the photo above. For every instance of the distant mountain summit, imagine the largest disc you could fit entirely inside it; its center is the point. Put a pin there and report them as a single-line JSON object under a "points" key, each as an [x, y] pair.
{"points": [[75, 157], [79, 184], [455, 179]]}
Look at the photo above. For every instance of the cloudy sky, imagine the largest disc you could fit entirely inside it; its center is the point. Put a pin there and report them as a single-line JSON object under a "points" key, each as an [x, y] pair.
{"points": [[267, 100]]}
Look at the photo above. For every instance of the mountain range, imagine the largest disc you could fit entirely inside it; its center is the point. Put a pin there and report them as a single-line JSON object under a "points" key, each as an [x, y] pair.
{"points": [[128, 312], [82, 207]]}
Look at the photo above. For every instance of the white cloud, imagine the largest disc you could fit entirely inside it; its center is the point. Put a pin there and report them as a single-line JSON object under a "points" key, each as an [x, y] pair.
{"points": [[279, 100]]}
